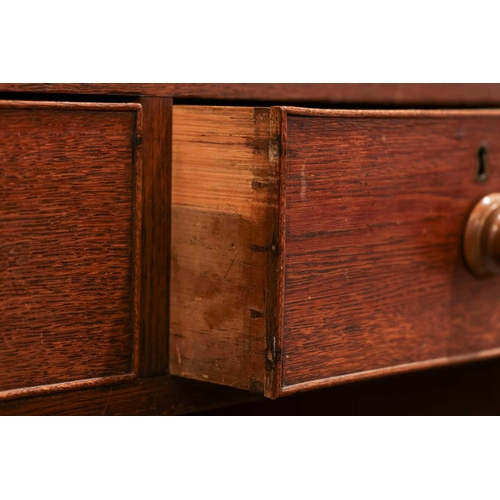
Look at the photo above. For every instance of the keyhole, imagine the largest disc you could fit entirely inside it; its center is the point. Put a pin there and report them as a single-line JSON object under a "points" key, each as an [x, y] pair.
{"points": [[482, 155]]}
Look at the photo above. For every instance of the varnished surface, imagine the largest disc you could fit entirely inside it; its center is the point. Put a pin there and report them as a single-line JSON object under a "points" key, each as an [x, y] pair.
{"points": [[374, 274], [472, 389], [368, 235], [223, 186], [163, 395], [468, 389], [67, 194], [155, 245], [337, 93]]}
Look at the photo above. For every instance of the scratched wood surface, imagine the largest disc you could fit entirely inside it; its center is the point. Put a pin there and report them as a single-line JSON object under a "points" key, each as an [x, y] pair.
{"points": [[374, 275], [67, 177], [440, 94], [222, 188]]}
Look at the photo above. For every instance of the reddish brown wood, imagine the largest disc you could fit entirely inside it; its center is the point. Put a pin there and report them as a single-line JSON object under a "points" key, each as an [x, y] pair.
{"points": [[74, 385], [472, 389], [152, 355], [163, 395], [275, 225], [440, 94], [70, 105], [67, 200], [375, 281], [365, 275]]}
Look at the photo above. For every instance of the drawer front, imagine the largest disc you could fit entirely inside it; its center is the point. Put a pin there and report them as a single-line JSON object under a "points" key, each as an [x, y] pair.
{"points": [[69, 225], [375, 211]]}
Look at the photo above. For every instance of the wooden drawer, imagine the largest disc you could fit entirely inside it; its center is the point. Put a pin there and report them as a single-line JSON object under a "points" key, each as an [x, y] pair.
{"points": [[313, 247], [70, 212]]}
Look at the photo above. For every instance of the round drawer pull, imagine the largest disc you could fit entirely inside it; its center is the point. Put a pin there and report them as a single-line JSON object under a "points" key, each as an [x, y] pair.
{"points": [[482, 238]]}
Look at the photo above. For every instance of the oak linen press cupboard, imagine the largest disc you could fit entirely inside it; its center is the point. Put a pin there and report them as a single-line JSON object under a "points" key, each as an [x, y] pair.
{"points": [[170, 249]]}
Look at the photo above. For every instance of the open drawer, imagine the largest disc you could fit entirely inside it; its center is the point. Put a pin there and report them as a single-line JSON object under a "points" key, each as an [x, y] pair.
{"points": [[313, 247]]}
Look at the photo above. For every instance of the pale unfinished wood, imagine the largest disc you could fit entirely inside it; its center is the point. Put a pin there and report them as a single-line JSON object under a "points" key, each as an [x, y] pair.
{"points": [[223, 187]]}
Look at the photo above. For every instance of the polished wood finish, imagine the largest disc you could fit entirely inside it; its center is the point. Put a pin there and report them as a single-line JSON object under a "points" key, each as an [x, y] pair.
{"points": [[104, 137], [468, 389], [222, 189], [372, 94], [152, 352], [162, 395], [70, 212], [376, 204], [368, 277]]}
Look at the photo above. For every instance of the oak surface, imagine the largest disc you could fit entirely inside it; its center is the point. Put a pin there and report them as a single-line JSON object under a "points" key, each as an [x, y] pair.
{"points": [[374, 275], [160, 395], [68, 226], [152, 348], [171, 395], [371, 94], [362, 214]]}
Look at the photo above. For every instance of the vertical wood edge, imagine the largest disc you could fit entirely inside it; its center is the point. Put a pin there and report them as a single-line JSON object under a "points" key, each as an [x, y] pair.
{"points": [[137, 225], [220, 337], [276, 258], [152, 353], [257, 342]]}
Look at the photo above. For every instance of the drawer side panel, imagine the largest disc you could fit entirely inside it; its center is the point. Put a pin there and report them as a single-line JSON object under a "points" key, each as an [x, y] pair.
{"points": [[222, 186]]}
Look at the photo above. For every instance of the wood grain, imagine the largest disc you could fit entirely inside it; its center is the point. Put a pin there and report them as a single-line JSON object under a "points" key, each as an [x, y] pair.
{"points": [[67, 188], [374, 275], [473, 389], [73, 385], [152, 354], [472, 329], [276, 259], [372, 94], [222, 189], [162, 395], [365, 276]]}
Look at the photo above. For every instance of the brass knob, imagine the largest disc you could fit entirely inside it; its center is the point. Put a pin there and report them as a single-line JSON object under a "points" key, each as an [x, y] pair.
{"points": [[482, 238]]}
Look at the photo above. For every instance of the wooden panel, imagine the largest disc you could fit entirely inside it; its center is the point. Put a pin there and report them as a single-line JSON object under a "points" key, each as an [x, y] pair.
{"points": [[472, 389], [223, 187], [374, 275], [441, 94], [162, 395], [152, 355], [69, 212]]}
